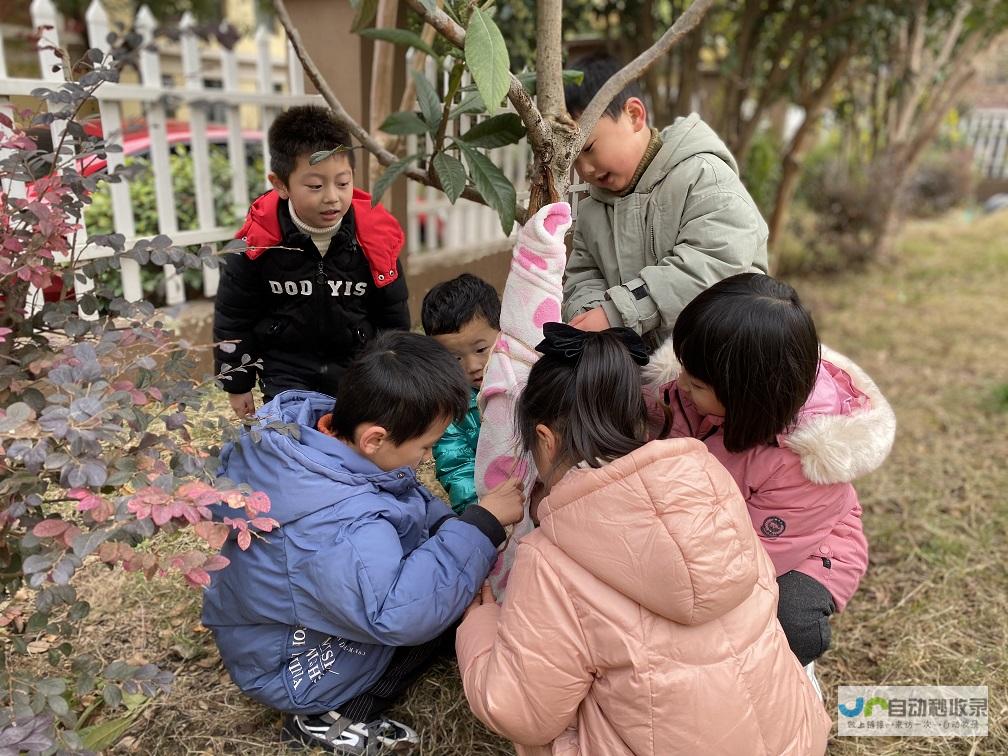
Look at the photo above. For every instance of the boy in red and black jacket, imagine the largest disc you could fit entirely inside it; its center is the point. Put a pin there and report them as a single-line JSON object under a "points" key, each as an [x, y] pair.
{"points": [[320, 276]]}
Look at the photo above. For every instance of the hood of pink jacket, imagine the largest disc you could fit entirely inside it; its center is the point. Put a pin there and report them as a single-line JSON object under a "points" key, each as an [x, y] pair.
{"points": [[653, 526], [844, 431]]}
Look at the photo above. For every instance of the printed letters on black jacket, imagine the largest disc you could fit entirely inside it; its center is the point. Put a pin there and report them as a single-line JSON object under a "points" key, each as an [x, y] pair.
{"points": [[305, 315]]}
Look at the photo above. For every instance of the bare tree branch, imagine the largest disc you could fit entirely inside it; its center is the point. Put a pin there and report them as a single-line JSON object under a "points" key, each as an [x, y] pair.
{"points": [[929, 70], [369, 143], [635, 68], [539, 130]]}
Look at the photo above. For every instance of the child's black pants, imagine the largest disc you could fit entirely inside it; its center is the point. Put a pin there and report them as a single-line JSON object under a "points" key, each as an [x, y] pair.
{"points": [[804, 609]]}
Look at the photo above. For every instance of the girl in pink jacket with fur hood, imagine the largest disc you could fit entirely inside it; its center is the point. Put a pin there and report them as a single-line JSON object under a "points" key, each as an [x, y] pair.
{"points": [[794, 424], [640, 616]]}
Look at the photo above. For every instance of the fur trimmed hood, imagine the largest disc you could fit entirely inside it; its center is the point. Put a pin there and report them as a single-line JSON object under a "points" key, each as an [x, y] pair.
{"points": [[836, 444]]}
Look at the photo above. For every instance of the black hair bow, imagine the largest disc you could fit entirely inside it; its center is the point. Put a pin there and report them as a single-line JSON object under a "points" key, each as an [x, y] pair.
{"points": [[567, 342]]}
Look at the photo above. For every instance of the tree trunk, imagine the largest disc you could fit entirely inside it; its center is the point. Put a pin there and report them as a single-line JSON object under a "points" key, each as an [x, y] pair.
{"points": [[737, 84], [902, 159], [689, 71], [792, 161]]}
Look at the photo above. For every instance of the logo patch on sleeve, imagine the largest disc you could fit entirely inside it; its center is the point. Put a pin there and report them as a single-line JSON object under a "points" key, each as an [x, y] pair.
{"points": [[773, 527]]}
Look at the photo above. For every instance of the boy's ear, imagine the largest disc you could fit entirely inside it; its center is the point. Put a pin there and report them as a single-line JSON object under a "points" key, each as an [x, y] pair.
{"points": [[369, 438], [279, 185], [636, 111]]}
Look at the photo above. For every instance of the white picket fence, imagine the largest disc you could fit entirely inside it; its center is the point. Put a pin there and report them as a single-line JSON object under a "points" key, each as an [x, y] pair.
{"points": [[434, 227], [150, 96], [986, 131]]}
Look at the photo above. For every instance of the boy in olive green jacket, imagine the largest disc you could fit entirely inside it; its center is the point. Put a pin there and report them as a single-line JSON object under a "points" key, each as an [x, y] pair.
{"points": [[667, 215]]}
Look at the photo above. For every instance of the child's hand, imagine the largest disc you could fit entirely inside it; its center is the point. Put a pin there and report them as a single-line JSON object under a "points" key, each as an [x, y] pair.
{"points": [[506, 502], [485, 596], [593, 320], [242, 404]]}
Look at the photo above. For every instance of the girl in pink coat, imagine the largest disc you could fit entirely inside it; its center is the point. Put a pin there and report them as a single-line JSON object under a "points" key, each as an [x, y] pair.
{"points": [[793, 424], [640, 616]]}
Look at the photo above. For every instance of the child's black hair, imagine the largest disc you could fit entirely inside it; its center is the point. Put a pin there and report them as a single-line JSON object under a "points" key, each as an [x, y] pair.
{"points": [[594, 405], [305, 130], [403, 382], [451, 304], [753, 342], [597, 70]]}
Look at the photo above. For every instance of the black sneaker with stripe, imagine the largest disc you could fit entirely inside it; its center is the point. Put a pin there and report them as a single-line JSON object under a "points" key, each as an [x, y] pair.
{"points": [[341, 735]]}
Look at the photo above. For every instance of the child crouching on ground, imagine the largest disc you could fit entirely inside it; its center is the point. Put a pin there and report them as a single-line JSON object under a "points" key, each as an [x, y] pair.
{"points": [[463, 315], [794, 423], [332, 616], [640, 617]]}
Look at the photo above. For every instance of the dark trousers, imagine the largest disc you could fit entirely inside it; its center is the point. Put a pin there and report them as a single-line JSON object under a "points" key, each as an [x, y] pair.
{"points": [[804, 609], [407, 665]]}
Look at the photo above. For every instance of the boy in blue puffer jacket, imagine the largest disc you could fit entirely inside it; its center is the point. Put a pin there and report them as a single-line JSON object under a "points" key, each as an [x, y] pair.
{"points": [[463, 315], [334, 614]]}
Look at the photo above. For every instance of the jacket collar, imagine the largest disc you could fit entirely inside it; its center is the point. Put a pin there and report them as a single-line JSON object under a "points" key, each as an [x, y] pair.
{"points": [[379, 234]]}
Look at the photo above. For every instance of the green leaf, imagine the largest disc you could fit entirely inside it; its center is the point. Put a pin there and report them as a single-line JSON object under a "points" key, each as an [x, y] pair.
{"points": [[491, 182], [530, 81], [366, 12], [430, 5], [427, 98], [403, 37], [391, 174], [471, 103], [506, 128], [487, 58], [101, 737], [451, 173], [403, 122], [58, 705]]}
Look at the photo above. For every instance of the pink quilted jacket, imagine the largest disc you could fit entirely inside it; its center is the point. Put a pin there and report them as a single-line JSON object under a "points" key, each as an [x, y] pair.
{"points": [[641, 619]]}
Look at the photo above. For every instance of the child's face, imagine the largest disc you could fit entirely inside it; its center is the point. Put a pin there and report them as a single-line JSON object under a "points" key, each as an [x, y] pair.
{"points": [[471, 345], [614, 148], [701, 394], [411, 452], [372, 441], [320, 194]]}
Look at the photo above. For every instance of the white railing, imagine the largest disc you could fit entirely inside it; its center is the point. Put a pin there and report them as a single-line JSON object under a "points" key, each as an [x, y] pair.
{"points": [[247, 92], [274, 85], [986, 131]]}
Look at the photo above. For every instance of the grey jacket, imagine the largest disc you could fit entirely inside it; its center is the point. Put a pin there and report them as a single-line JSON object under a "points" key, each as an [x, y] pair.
{"points": [[688, 224]]}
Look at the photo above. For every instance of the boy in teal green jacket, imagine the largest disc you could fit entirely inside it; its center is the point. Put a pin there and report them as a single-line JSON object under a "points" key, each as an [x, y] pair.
{"points": [[463, 314]]}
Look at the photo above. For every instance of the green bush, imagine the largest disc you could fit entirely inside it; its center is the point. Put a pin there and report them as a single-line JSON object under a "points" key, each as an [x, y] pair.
{"points": [[98, 215], [761, 172], [944, 179]]}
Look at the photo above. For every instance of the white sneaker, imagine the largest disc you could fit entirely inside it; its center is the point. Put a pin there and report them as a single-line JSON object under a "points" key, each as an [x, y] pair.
{"points": [[810, 671]]}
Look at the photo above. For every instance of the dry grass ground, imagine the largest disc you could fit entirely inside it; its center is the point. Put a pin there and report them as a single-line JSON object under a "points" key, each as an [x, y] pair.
{"points": [[933, 608]]}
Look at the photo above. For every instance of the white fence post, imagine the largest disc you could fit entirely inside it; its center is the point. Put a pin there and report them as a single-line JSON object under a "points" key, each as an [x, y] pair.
{"points": [[199, 148], [265, 79], [236, 142], [986, 132], [157, 128], [15, 189], [295, 71], [111, 121], [46, 21]]}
